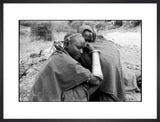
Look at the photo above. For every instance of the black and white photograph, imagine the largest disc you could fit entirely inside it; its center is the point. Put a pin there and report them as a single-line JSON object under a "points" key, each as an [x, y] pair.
{"points": [[80, 60]]}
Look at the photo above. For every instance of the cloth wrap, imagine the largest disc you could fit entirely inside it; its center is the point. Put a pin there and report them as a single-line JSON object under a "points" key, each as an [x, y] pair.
{"points": [[60, 73]]}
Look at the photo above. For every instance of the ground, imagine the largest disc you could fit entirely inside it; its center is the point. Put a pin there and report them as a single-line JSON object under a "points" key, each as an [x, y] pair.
{"points": [[31, 60]]}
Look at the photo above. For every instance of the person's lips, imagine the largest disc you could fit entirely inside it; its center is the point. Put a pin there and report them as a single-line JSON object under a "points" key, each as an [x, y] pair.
{"points": [[79, 55]]}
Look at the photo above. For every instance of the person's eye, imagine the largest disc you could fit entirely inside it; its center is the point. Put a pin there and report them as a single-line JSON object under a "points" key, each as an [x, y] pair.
{"points": [[90, 34], [79, 47]]}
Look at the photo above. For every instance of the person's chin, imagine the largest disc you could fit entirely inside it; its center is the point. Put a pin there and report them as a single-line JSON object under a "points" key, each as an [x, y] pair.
{"points": [[88, 40], [77, 58]]}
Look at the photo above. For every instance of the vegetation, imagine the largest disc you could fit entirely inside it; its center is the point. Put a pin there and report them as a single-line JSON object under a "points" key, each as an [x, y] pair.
{"points": [[44, 30]]}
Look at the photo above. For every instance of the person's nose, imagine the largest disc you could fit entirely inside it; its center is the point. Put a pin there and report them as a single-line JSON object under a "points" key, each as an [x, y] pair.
{"points": [[81, 51]]}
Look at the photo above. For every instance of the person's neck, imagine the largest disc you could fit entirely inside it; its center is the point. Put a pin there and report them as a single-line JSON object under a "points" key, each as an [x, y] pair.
{"points": [[65, 50]]}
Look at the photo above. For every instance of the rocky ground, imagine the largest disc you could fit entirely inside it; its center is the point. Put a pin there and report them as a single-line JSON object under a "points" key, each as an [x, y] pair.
{"points": [[33, 56]]}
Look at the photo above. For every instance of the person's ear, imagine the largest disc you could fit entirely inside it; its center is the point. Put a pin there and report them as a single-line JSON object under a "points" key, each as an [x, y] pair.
{"points": [[66, 44]]}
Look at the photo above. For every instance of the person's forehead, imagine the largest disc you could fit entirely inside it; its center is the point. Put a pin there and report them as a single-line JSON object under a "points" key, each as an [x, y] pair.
{"points": [[78, 40], [86, 32]]}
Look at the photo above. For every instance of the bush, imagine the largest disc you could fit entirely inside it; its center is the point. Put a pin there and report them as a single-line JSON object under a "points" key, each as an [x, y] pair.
{"points": [[101, 26], [75, 24], [61, 26], [25, 23], [112, 25], [22, 69], [118, 23], [132, 23], [135, 23], [42, 31]]}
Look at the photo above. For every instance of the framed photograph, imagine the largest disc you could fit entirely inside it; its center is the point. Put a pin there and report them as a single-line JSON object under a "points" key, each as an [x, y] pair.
{"points": [[37, 42]]}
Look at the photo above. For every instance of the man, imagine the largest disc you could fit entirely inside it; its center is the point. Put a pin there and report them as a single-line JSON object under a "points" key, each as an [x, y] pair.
{"points": [[62, 78], [112, 87]]}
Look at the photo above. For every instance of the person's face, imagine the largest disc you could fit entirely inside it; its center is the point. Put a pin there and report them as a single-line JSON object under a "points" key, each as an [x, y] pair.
{"points": [[88, 35], [75, 47]]}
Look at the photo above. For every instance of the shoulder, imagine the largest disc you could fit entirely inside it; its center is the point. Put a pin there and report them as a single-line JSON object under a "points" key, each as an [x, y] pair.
{"points": [[61, 58]]}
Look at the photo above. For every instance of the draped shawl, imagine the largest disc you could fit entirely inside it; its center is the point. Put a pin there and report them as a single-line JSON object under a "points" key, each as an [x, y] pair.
{"points": [[60, 73], [113, 82]]}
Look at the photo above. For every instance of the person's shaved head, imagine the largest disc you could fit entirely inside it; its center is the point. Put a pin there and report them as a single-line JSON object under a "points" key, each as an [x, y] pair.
{"points": [[74, 44]]}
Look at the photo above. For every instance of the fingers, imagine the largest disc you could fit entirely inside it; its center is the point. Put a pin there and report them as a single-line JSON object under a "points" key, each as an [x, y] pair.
{"points": [[89, 46]]}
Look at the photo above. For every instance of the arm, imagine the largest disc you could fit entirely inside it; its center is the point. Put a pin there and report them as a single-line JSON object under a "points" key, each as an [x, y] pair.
{"points": [[94, 80], [97, 75]]}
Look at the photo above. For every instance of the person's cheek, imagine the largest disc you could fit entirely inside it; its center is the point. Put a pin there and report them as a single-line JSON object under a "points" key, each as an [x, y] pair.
{"points": [[78, 53], [75, 52]]}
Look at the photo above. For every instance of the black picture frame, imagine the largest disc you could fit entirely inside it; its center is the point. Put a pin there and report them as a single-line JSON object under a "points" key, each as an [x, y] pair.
{"points": [[80, 1]]}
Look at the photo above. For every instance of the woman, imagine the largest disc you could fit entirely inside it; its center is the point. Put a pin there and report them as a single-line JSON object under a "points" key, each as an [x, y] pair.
{"points": [[62, 78], [112, 87]]}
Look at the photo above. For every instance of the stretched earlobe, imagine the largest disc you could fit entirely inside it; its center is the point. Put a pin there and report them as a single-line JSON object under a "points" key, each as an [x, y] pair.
{"points": [[66, 44]]}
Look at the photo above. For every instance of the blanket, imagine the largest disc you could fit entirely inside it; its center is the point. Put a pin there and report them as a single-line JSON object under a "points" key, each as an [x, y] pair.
{"points": [[113, 82], [60, 73]]}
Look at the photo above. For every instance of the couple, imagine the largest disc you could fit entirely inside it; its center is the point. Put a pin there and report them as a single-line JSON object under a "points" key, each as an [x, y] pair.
{"points": [[67, 74]]}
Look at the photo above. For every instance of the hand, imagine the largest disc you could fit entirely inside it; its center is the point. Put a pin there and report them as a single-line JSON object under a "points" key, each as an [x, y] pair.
{"points": [[94, 80], [89, 47]]}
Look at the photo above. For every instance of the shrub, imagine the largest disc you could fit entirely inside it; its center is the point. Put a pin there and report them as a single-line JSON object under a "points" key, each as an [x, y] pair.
{"points": [[118, 23], [135, 23], [75, 24], [22, 69], [42, 31], [101, 26], [132, 23], [25, 23]]}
